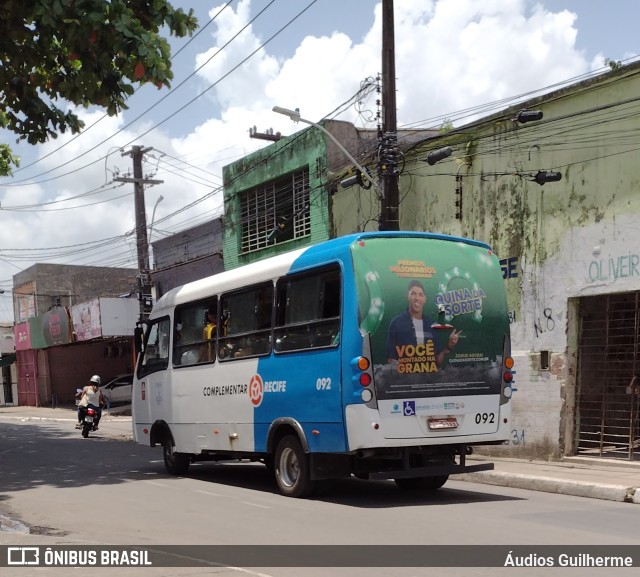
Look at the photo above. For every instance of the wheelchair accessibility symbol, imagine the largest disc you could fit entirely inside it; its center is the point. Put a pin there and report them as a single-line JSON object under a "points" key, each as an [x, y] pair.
{"points": [[409, 408]]}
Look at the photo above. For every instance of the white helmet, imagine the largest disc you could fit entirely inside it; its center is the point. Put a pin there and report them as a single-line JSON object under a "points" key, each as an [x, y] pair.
{"points": [[95, 379]]}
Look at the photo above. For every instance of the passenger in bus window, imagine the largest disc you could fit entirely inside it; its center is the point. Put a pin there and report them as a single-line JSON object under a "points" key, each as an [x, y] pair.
{"points": [[244, 351], [190, 357], [226, 346], [188, 346], [209, 331], [410, 334], [209, 335]]}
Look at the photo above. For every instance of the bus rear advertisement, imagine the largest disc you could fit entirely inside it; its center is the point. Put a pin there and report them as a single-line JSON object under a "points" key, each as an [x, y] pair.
{"points": [[378, 355]]}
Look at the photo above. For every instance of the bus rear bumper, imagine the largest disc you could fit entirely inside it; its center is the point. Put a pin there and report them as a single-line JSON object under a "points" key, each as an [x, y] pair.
{"points": [[399, 463], [432, 471]]}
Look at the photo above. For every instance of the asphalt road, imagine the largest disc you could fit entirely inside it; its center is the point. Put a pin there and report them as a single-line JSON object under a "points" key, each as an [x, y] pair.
{"points": [[107, 490]]}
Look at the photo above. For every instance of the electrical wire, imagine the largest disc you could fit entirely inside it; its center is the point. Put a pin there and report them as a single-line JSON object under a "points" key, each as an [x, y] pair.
{"points": [[582, 116], [30, 181]]}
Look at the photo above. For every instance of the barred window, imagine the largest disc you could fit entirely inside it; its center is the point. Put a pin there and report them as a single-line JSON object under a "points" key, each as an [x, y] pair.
{"points": [[276, 211]]}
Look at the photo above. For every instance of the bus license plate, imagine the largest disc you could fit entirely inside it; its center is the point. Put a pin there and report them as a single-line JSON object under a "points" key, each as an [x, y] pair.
{"points": [[443, 423]]}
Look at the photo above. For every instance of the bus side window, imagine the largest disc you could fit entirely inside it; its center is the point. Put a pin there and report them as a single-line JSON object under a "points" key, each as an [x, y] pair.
{"points": [[195, 333], [156, 348], [308, 310], [246, 318], [209, 332]]}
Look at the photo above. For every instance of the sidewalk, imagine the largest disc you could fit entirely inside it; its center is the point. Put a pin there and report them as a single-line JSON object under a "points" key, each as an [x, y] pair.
{"points": [[581, 477]]}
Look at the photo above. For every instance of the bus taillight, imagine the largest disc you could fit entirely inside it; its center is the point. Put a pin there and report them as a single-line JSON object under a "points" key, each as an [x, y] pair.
{"points": [[507, 376], [362, 371]]}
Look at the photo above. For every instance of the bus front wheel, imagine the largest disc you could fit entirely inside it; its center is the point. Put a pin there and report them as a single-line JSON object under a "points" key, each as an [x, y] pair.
{"points": [[292, 468], [174, 463], [422, 483]]}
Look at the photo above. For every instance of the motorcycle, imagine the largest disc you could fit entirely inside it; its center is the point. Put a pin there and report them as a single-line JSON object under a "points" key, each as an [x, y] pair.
{"points": [[89, 421]]}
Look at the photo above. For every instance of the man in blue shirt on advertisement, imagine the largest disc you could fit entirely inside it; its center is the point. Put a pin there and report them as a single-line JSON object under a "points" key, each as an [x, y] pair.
{"points": [[411, 342]]}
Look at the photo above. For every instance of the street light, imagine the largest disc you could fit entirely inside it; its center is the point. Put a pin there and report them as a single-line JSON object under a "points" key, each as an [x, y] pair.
{"points": [[153, 217], [295, 116]]}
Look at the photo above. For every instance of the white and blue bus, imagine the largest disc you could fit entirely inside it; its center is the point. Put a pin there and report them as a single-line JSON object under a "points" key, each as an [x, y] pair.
{"points": [[379, 355]]}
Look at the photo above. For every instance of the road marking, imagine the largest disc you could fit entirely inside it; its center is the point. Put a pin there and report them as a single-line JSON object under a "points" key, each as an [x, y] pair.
{"points": [[207, 493], [249, 572], [256, 505], [155, 483]]}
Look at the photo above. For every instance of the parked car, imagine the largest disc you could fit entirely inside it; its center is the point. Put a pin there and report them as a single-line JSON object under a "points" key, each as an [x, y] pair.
{"points": [[118, 391]]}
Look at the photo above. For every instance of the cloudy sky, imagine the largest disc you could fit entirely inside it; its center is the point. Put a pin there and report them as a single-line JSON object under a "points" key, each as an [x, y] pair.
{"points": [[452, 56]]}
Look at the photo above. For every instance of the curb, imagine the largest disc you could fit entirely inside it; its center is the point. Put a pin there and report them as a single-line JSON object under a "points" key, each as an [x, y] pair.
{"points": [[12, 526], [23, 418], [618, 493]]}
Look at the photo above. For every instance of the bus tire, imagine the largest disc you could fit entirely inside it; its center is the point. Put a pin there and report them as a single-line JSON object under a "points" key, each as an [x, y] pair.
{"points": [[292, 468], [269, 464], [421, 483], [174, 463]]}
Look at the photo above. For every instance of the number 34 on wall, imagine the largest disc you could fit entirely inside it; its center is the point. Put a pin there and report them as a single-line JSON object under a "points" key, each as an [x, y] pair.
{"points": [[517, 438]]}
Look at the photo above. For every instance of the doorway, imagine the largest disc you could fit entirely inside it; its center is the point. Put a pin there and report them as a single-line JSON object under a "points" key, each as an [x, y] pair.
{"points": [[608, 392]]}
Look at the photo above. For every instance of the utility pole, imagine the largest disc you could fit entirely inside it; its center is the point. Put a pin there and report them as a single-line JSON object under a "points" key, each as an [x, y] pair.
{"points": [[388, 164], [142, 244]]}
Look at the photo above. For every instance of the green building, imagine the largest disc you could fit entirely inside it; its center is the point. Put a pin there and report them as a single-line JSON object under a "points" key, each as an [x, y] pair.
{"points": [[279, 198]]}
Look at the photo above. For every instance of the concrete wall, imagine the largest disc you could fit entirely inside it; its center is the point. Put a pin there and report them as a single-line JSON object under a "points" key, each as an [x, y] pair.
{"points": [[186, 256], [70, 284], [7, 340]]}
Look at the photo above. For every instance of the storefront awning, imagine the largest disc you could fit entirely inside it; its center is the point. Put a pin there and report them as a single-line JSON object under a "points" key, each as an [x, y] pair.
{"points": [[7, 359]]}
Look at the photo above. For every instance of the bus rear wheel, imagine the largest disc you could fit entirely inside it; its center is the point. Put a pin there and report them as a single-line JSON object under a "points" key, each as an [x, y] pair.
{"points": [[174, 463], [292, 469], [422, 483]]}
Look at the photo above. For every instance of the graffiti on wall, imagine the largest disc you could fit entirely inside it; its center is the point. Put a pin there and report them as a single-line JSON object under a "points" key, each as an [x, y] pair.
{"points": [[546, 324], [517, 438], [509, 268], [614, 268]]}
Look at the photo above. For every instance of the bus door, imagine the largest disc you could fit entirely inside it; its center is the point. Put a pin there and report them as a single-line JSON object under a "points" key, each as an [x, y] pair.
{"points": [[435, 311], [152, 388]]}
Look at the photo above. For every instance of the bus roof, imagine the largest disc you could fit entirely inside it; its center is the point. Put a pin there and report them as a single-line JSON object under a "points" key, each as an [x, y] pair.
{"points": [[272, 267]]}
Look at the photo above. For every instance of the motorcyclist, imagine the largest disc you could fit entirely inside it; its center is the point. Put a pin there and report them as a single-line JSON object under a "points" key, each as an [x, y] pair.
{"points": [[91, 396]]}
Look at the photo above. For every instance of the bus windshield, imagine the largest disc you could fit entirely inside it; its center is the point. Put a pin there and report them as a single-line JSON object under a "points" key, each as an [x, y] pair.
{"points": [[436, 315]]}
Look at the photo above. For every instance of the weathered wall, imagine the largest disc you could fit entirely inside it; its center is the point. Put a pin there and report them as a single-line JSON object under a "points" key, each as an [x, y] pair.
{"points": [[187, 256], [71, 284], [559, 241]]}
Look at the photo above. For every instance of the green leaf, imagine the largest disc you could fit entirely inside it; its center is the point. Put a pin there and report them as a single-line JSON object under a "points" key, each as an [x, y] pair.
{"points": [[36, 71]]}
